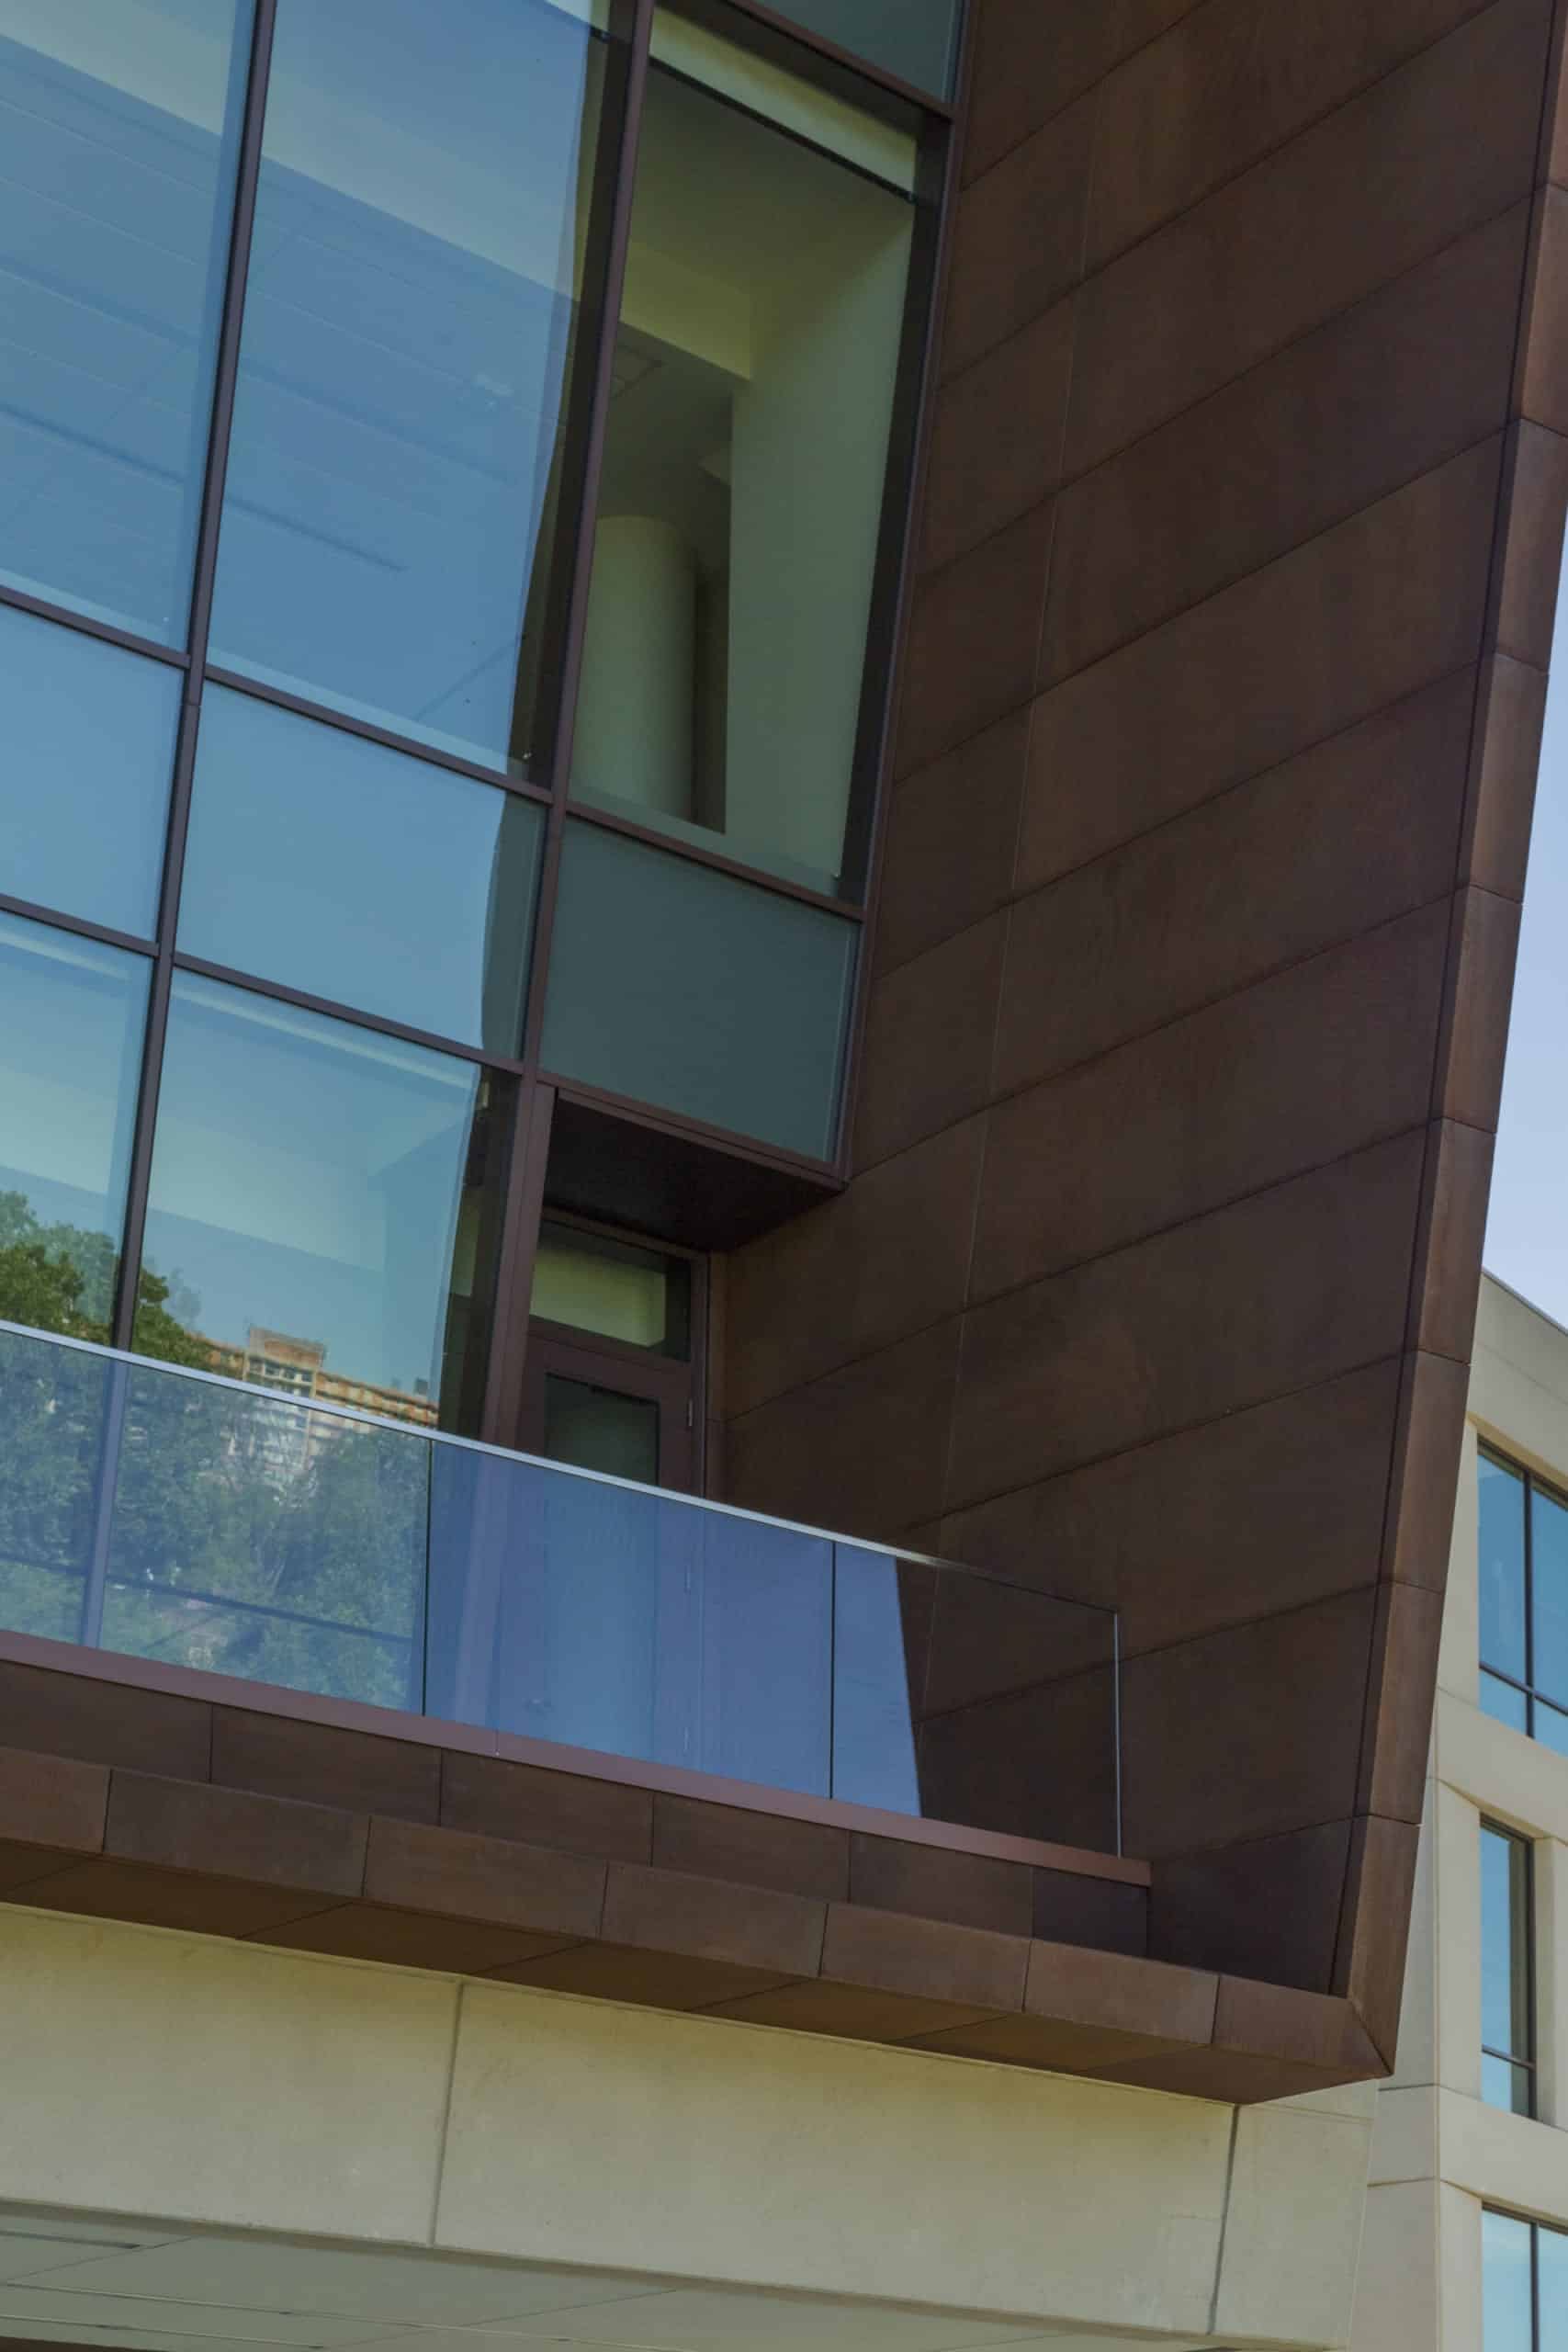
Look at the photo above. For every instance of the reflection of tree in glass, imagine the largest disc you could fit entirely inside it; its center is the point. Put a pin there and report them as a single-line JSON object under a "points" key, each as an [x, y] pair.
{"points": [[317, 1523], [256, 1537]]}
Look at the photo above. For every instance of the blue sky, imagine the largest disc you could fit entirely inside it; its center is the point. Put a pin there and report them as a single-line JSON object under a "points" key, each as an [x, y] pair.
{"points": [[1527, 1231]]}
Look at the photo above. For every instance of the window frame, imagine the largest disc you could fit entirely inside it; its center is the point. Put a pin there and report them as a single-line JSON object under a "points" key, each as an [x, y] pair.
{"points": [[1521, 1968], [1528, 1690], [1535, 2228]]}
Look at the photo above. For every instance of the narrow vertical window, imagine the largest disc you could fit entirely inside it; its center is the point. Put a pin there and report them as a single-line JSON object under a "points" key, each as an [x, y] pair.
{"points": [[745, 460], [1507, 2022], [1505, 1669]]}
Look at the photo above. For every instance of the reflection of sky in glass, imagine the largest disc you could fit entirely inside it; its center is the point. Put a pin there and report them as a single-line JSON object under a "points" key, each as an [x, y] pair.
{"points": [[1506, 2280], [1502, 1534], [1527, 1231], [1497, 2025], [406, 340]]}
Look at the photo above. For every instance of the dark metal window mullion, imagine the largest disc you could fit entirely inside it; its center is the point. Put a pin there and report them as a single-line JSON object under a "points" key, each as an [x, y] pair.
{"points": [[247, 174], [1529, 1603]]}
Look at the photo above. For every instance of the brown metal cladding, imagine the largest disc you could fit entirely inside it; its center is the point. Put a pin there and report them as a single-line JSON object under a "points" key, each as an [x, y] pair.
{"points": [[1238, 555]]}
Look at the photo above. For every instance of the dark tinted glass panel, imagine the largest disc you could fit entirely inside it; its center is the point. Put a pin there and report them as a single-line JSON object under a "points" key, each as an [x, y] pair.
{"points": [[1506, 2023], [1505, 2284], [1505, 1705], [1549, 1594], [84, 775], [683, 987], [613, 1288], [599, 1429], [1502, 1538], [118, 123], [917, 40], [69, 1061], [323, 1208], [349, 871], [744, 463], [411, 343]]}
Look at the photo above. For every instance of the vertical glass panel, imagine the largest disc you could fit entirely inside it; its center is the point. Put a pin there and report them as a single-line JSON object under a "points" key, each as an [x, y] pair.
{"points": [[85, 777], [1551, 2288], [70, 1061], [1505, 2022], [53, 1403], [592, 1284], [1502, 1538], [683, 987], [1505, 2284], [1505, 1705], [744, 464], [254, 1536], [324, 1208], [917, 40], [120, 122], [610, 1618], [1550, 1725], [326, 862], [411, 345], [880, 1615], [1548, 1595]]}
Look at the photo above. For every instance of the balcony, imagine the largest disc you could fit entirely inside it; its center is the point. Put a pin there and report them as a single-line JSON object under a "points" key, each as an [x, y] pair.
{"points": [[180, 1518]]}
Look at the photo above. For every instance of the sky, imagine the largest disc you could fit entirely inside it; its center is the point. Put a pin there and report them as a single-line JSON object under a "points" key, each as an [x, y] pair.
{"points": [[1527, 1230]]}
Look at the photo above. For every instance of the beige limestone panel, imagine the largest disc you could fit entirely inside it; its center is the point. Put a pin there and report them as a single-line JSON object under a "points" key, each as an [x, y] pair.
{"points": [[1504, 2159], [154, 2073], [1298, 2193], [1551, 1979], [1405, 2137], [1397, 2286], [827, 2166], [1457, 1866], [1462, 1606], [1459, 2270], [1502, 1773], [1416, 2059]]}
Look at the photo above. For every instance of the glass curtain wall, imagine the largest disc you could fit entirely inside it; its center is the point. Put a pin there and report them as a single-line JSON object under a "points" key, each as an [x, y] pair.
{"points": [[1523, 1539], [315, 391]]}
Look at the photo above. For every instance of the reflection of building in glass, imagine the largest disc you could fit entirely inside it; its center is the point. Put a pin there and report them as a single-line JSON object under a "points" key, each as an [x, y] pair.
{"points": [[297, 1368]]}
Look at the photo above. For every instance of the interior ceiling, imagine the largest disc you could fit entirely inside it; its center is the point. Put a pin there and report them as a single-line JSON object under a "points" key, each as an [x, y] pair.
{"points": [[69, 2279]]}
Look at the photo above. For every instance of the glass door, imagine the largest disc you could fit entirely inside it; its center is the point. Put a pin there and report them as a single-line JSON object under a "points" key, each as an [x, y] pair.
{"points": [[610, 1378]]}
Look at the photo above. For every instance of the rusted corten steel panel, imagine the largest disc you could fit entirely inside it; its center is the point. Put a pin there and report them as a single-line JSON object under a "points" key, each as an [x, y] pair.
{"points": [[1221, 704]]}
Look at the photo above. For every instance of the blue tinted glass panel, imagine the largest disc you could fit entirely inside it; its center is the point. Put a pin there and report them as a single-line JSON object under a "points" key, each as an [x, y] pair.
{"points": [[85, 777], [1505, 2284], [880, 1610], [917, 40], [409, 349], [52, 1408], [1504, 1704], [328, 863], [120, 132], [1502, 1539], [1549, 1594], [1505, 1959], [1551, 1726], [684, 988], [254, 1536], [320, 1206], [70, 1062], [1552, 2286], [613, 1618]]}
